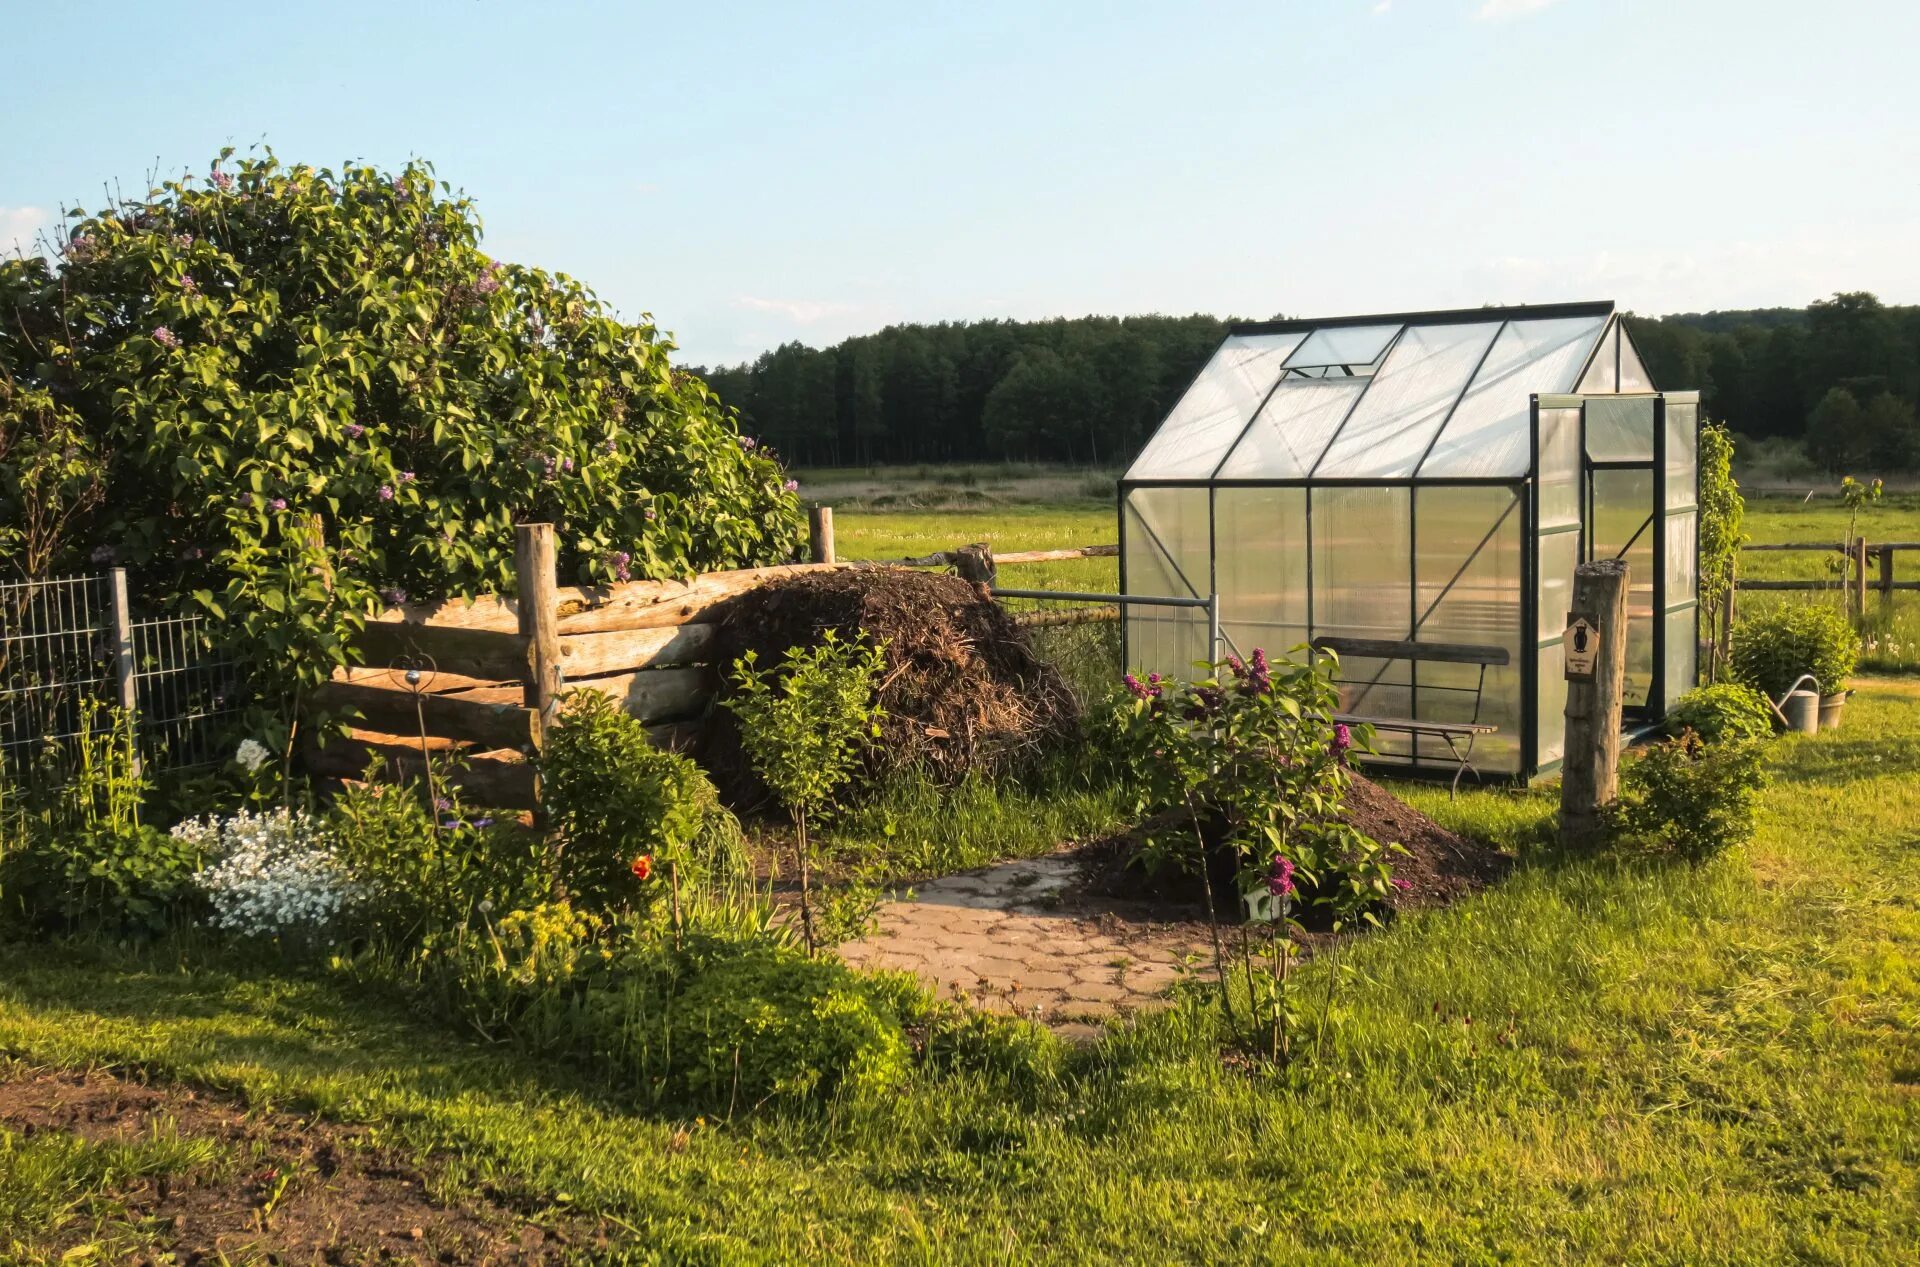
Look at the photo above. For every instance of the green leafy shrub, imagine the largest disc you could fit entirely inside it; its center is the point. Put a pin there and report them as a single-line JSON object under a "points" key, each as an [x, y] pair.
{"points": [[629, 813], [1727, 712], [1773, 648], [804, 725], [310, 391], [1688, 799]]}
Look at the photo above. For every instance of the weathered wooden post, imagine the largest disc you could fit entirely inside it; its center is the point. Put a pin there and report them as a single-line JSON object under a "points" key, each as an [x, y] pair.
{"points": [[1857, 592], [126, 684], [539, 611], [820, 534], [1886, 576], [1596, 657]]}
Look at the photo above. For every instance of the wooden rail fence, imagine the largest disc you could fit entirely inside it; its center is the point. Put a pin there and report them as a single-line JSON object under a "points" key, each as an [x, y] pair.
{"points": [[477, 679], [1853, 577]]}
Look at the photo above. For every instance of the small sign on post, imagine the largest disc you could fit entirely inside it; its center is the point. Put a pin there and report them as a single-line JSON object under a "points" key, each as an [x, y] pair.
{"points": [[1582, 644]]}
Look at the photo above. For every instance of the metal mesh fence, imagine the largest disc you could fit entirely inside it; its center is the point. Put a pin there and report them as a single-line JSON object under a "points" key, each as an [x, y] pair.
{"points": [[58, 647]]}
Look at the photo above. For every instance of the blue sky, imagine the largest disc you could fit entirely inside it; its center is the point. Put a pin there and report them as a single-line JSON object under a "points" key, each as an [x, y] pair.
{"points": [[753, 173]]}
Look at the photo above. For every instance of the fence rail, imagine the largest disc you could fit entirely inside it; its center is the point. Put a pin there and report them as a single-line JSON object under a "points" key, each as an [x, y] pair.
{"points": [[1853, 580]]}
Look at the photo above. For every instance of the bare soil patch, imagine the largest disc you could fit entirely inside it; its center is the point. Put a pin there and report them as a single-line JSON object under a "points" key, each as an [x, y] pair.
{"points": [[288, 1190]]}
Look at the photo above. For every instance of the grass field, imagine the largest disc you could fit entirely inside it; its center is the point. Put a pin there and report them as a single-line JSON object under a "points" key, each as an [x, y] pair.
{"points": [[1593, 1062]]}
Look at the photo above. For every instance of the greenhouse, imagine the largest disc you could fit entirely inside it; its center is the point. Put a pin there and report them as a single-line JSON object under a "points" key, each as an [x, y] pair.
{"points": [[1413, 491]]}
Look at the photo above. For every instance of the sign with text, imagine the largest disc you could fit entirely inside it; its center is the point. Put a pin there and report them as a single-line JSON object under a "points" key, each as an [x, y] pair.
{"points": [[1582, 646]]}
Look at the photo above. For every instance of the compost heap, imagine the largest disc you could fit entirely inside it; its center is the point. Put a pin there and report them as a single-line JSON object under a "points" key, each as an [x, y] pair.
{"points": [[962, 689]]}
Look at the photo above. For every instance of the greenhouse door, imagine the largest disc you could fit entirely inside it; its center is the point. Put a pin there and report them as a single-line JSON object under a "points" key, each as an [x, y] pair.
{"points": [[1623, 520]]}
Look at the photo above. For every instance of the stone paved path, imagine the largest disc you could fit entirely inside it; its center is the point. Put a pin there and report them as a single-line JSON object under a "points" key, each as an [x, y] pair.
{"points": [[1020, 938]]}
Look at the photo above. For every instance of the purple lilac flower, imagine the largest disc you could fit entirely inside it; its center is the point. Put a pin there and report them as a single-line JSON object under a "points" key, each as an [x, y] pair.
{"points": [[1259, 677], [354, 430], [165, 337], [191, 553], [1402, 885], [442, 803], [652, 514], [188, 286], [748, 443], [278, 503], [1342, 739], [612, 445], [386, 492], [450, 824], [566, 464], [482, 822], [489, 279], [223, 181], [102, 554], [1280, 877], [792, 486], [394, 596], [181, 241], [80, 248], [400, 185], [406, 477], [618, 560]]}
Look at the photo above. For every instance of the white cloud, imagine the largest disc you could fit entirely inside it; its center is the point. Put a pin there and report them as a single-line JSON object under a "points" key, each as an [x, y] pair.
{"points": [[19, 226], [1500, 10], [803, 311], [1380, 10]]}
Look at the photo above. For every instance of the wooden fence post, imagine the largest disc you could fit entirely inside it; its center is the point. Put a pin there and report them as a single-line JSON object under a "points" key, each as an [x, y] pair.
{"points": [[1858, 590], [126, 685], [533, 565], [1589, 779], [820, 534], [1886, 576]]}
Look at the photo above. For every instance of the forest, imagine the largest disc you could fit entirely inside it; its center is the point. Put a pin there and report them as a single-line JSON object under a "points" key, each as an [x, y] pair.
{"points": [[1842, 375]]}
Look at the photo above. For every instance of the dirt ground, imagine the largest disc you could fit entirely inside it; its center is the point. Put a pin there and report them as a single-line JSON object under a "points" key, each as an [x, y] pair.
{"points": [[287, 1190]]}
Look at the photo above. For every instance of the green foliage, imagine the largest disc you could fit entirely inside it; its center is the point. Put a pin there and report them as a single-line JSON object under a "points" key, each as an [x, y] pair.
{"points": [[1834, 437], [1722, 514], [1726, 712], [1688, 799], [617, 798], [50, 477], [314, 392], [806, 721], [1774, 647]]}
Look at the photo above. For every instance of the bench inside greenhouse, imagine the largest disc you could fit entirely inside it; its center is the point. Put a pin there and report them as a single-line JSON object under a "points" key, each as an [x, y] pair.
{"points": [[1458, 736]]}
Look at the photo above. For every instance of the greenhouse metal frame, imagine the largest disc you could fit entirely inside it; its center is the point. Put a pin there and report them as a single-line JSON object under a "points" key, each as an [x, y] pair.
{"points": [[1414, 490]]}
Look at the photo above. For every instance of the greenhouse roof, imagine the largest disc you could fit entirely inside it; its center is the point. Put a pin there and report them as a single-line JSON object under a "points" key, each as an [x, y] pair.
{"points": [[1428, 395]]}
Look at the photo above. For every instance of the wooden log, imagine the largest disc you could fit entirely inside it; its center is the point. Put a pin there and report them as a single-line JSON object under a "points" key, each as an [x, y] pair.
{"points": [[820, 534], [431, 683], [656, 695], [1589, 778], [624, 650], [494, 723], [1886, 571], [654, 604], [487, 654], [533, 568], [497, 778]]}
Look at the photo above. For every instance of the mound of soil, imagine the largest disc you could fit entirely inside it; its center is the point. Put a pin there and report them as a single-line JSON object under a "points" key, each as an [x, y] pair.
{"points": [[963, 689], [1439, 866]]}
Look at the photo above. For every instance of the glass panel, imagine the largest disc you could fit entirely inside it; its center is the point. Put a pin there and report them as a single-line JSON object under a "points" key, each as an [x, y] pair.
{"points": [[1469, 595], [1166, 542], [1559, 475], [1683, 456], [1633, 374], [1205, 422], [1343, 345], [1600, 376], [1683, 558], [1622, 502], [1553, 703], [1262, 573], [1620, 429], [1682, 653], [1559, 552], [1292, 429], [1409, 398], [1362, 578], [1488, 434]]}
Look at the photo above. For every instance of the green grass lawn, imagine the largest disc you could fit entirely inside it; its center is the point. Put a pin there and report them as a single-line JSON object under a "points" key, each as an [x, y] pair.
{"points": [[1593, 1062]]}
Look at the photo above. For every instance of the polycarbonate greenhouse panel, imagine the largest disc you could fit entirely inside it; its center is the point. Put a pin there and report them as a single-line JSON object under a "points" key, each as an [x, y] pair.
{"points": [[1621, 526], [1559, 554], [1262, 569], [1602, 377], [1362, 574], [1409, 397], [1683, 456], [1682, 653], [1292, 429], [1471, 543], [1620, 429], [1559, 474], [1683, 557], [1205, 421], [1633, 374], [1343, 345], [1553, 703], [1489, 434], [1164, 535]]}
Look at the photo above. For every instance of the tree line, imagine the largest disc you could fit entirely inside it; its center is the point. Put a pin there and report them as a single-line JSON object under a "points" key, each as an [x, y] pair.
{"points": [[1842, 373]]}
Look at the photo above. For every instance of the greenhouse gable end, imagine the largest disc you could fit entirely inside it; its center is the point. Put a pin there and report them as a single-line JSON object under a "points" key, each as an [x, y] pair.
{"points": [[1414, 491]]}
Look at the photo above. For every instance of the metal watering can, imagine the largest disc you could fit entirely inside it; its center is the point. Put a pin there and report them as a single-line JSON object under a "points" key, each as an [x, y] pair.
{"points": [[1799, 710]]}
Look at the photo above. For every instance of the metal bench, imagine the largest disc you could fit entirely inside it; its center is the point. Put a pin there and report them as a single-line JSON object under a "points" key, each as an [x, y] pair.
{"points": [[1458, 736]]}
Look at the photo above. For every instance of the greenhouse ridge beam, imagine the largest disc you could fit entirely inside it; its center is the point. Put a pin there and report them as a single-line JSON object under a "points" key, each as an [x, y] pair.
{"points": [[1437, 317]]}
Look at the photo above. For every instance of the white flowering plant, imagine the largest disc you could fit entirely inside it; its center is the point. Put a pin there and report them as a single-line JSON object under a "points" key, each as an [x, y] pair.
{"points": [[272, 874]]}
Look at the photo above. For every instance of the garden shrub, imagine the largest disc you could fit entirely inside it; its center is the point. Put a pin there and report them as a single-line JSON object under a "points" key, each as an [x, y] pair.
{"points": [[294, 392], [272, 875], [1689, 799], [1727, 712], [629, 813], [1771, 649]]}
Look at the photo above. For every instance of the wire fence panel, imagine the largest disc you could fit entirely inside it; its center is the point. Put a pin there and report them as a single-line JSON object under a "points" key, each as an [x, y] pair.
{"points": [[57, 670]]}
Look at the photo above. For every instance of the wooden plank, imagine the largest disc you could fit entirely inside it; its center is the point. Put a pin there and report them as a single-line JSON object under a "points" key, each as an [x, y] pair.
{"points": [[394, 679], [624, 650], [497, 725], [656, 695], [488, 654], [1401, 649], [654, 604]]}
